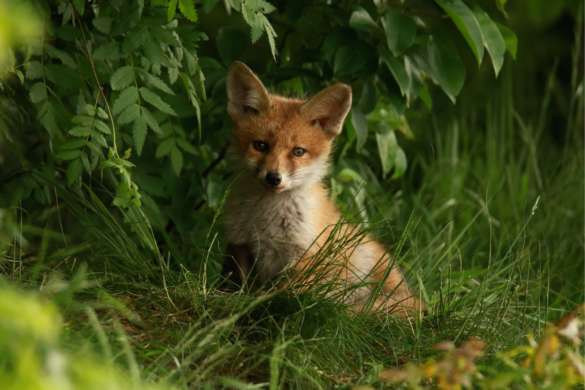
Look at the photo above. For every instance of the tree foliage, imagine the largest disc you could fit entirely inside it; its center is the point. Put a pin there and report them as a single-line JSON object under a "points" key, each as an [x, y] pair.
{"points": [[122, 86]]}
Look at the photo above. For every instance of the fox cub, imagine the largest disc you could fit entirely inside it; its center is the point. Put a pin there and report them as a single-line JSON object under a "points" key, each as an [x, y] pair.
{"points": [[278, 214]]}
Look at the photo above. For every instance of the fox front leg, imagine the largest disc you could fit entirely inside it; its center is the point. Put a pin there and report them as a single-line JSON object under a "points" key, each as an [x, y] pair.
{"points": [[237, 266]]}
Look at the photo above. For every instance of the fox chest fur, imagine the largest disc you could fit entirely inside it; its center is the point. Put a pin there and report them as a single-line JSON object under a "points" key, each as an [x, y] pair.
{"points": [[275, 230]]}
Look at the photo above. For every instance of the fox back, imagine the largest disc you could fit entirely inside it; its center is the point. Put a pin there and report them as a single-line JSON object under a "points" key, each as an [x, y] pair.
{"points": [[278, 212]]}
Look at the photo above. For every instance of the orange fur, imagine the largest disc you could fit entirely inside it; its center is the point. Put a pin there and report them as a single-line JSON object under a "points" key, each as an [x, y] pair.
{"points": [[278, 214]]}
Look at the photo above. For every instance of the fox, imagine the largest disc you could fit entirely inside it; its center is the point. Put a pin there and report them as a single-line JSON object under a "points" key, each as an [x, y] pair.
{"points": [[278, 213]]}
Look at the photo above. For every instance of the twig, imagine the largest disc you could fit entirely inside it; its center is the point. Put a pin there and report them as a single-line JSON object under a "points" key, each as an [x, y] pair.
{"points": [[97, 81]]}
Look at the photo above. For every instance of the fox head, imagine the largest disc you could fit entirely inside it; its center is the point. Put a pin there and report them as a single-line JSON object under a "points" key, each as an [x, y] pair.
{"points": [[284, 143]]}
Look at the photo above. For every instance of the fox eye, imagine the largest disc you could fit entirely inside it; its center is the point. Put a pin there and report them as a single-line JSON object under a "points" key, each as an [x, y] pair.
{"points": [[298, 152], [260, 146]]}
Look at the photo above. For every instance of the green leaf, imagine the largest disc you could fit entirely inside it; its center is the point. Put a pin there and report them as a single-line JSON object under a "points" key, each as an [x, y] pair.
{"points": [[188, 10], [34, 70], [153, 52], [129, 17], [64, 77], [103, 24], [82, 120], [271, 35], [208, 5], [400, 164], [69, 154], [129, 115], [79, 6], [350, 58], [172, 9], [369, 96], [139, 133], [156, 101], [48, 118], [509, 38], [154, 81], [387, 147], [38, 93], [122, 78], [86, 163], [101, 126], [177, 160], [80, 131], [186, 146], [59, 54], [467, 24], [400, 31], [492, 38], [150, 120], [231, 45], [73, 143], [136, 37], [108, 52], [426, 96], [165, 147], [360, 124], [446, 65], [165, 36], [74, 170], [126, 98], [361, 20], [397, 68]]}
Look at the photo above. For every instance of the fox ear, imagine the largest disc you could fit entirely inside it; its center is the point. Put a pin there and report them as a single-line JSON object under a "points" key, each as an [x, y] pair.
{"points": [[246, 93], [328, 108]]}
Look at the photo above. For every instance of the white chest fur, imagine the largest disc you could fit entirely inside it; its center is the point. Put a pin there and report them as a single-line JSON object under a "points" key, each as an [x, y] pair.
{"points": [[278, 227]]}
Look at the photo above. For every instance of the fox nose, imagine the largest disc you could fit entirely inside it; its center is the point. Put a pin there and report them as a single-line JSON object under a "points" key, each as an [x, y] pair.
{"points": [[273, 178]]}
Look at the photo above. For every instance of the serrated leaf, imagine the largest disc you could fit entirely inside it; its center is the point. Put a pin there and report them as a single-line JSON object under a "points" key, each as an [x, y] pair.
{"points": [[74, 170], [69, 154], [467, 24], [150, 120], [136, 37], [101, 126], [191, 63], [177, 160], [256, 32], [156, 101], [38, 93], [172, 9], [153, 52], [139, 133], [400, 31], [173, 75], [88, 109], [397, 68], [61, 55], [80, 131], [103, 24], [64, 77], [271, 35], [126, 98], [34, 70], [79, 6], [165, 36], [165, 147], [155, 81], [129, 17], [129, 114], [122, 78], [83, 120], [108, 52], [73, 143], [446, 65], [101, 113], [86, 163], [186, 146], [48, 118], [188, 10], [97, 137]]}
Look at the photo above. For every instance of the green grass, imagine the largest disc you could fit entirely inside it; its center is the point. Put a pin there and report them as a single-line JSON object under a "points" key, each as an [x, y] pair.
{"points": [[487, 223]]}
